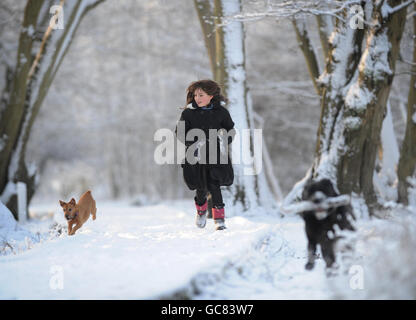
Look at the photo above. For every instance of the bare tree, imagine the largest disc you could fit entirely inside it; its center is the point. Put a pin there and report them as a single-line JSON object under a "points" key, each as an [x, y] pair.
{"points": [[42, 47], [357, 83], [361, 42]]}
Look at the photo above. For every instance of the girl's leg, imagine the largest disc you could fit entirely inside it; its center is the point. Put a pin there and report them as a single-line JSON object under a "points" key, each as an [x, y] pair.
{"points": [[218, 205], [200, 197], [201, 207], [201, 194], [215, 190]]}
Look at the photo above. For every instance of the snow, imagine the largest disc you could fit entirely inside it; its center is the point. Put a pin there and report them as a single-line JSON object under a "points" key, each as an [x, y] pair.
{"points": [[358, 98], [156, 251], [385, 181], [146, 252], [359, 206], [271, 269], [7, 221], [13, 238], [374, 61], [352, 123], [343, 43], [414, 117], [128, 252], [384, 251]]}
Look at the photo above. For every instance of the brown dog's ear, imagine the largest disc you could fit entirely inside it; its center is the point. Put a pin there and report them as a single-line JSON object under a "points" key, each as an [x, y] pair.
{"points": [[61, 203], [72, 201]]}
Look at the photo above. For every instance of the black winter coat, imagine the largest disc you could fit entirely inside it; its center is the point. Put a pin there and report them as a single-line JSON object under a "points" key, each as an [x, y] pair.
{"points": [[216, 118]]}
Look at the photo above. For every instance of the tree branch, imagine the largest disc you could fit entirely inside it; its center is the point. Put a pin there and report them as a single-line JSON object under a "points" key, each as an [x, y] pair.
{"points": [[391, 10], [325, 27], [308, 50]]}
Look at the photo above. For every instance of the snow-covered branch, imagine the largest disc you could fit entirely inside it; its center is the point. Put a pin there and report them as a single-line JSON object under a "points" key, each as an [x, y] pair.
{"points": [[290, 9], [387, 10]]}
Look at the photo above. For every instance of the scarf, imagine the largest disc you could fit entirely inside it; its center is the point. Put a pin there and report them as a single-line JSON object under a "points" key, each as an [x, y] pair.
{"points": [[208, 107]]}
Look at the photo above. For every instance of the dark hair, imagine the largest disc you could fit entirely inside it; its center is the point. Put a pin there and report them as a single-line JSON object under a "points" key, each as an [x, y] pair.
{"points": [[210, 87]]}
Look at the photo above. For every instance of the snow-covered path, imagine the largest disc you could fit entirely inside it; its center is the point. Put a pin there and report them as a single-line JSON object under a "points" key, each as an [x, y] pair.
{"points": [[128, 252], [272, 269], [157, 252]]}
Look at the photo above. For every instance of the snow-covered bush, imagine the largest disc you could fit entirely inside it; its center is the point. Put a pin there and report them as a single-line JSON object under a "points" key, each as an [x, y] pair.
{"points": [[13, 238], [385, 257]]}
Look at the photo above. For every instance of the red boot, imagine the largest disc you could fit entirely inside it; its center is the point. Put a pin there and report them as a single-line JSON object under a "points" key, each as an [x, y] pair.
{"points": [[201, 214], [219, 217]]}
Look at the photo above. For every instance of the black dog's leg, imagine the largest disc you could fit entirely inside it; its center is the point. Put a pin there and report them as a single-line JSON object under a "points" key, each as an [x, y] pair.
{"points": [[311, 255], [327, 248]]}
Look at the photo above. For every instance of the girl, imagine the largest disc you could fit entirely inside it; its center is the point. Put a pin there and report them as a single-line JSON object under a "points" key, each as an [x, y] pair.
{"points": [[205, 110]]}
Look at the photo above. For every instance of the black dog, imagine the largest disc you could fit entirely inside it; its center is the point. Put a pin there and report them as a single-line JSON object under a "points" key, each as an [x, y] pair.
{"points": [[319, 223]]}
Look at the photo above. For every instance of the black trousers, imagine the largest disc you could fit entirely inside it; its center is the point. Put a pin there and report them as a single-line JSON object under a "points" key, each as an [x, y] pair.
{"points": [[213, 186]]}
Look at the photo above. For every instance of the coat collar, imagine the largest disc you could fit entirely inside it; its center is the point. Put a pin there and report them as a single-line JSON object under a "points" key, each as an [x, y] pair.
{"points": [[192, 107]]}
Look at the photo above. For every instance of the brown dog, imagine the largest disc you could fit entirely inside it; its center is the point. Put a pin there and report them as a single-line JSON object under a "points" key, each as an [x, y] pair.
{"points": [[78, 213]]}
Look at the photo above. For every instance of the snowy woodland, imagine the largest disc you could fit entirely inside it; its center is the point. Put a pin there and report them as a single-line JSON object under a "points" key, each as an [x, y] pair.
{"points": [[86, 84]]}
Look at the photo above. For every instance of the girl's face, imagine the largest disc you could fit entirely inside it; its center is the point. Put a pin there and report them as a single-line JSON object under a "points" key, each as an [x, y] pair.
{"points": [[201, 98]]}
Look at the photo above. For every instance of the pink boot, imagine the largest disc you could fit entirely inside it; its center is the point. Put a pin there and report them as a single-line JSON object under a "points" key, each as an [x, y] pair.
{"points": [[201, 214], [219, 218]]}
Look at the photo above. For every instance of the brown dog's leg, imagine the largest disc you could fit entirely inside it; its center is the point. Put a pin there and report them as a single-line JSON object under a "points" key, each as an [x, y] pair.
{"points": [[79, 225], [69, 227], [94, 210]]}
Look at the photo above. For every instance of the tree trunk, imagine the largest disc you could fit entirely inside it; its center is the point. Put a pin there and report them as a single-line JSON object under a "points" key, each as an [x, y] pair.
{"points": [[354, 100], [344, 46], [374, 81], [205, 13], [31, 80], [407, 161]]}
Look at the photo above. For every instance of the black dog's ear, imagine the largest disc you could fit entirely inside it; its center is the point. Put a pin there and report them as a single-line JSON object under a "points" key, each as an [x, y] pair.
{"points": [[328, 188]]}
